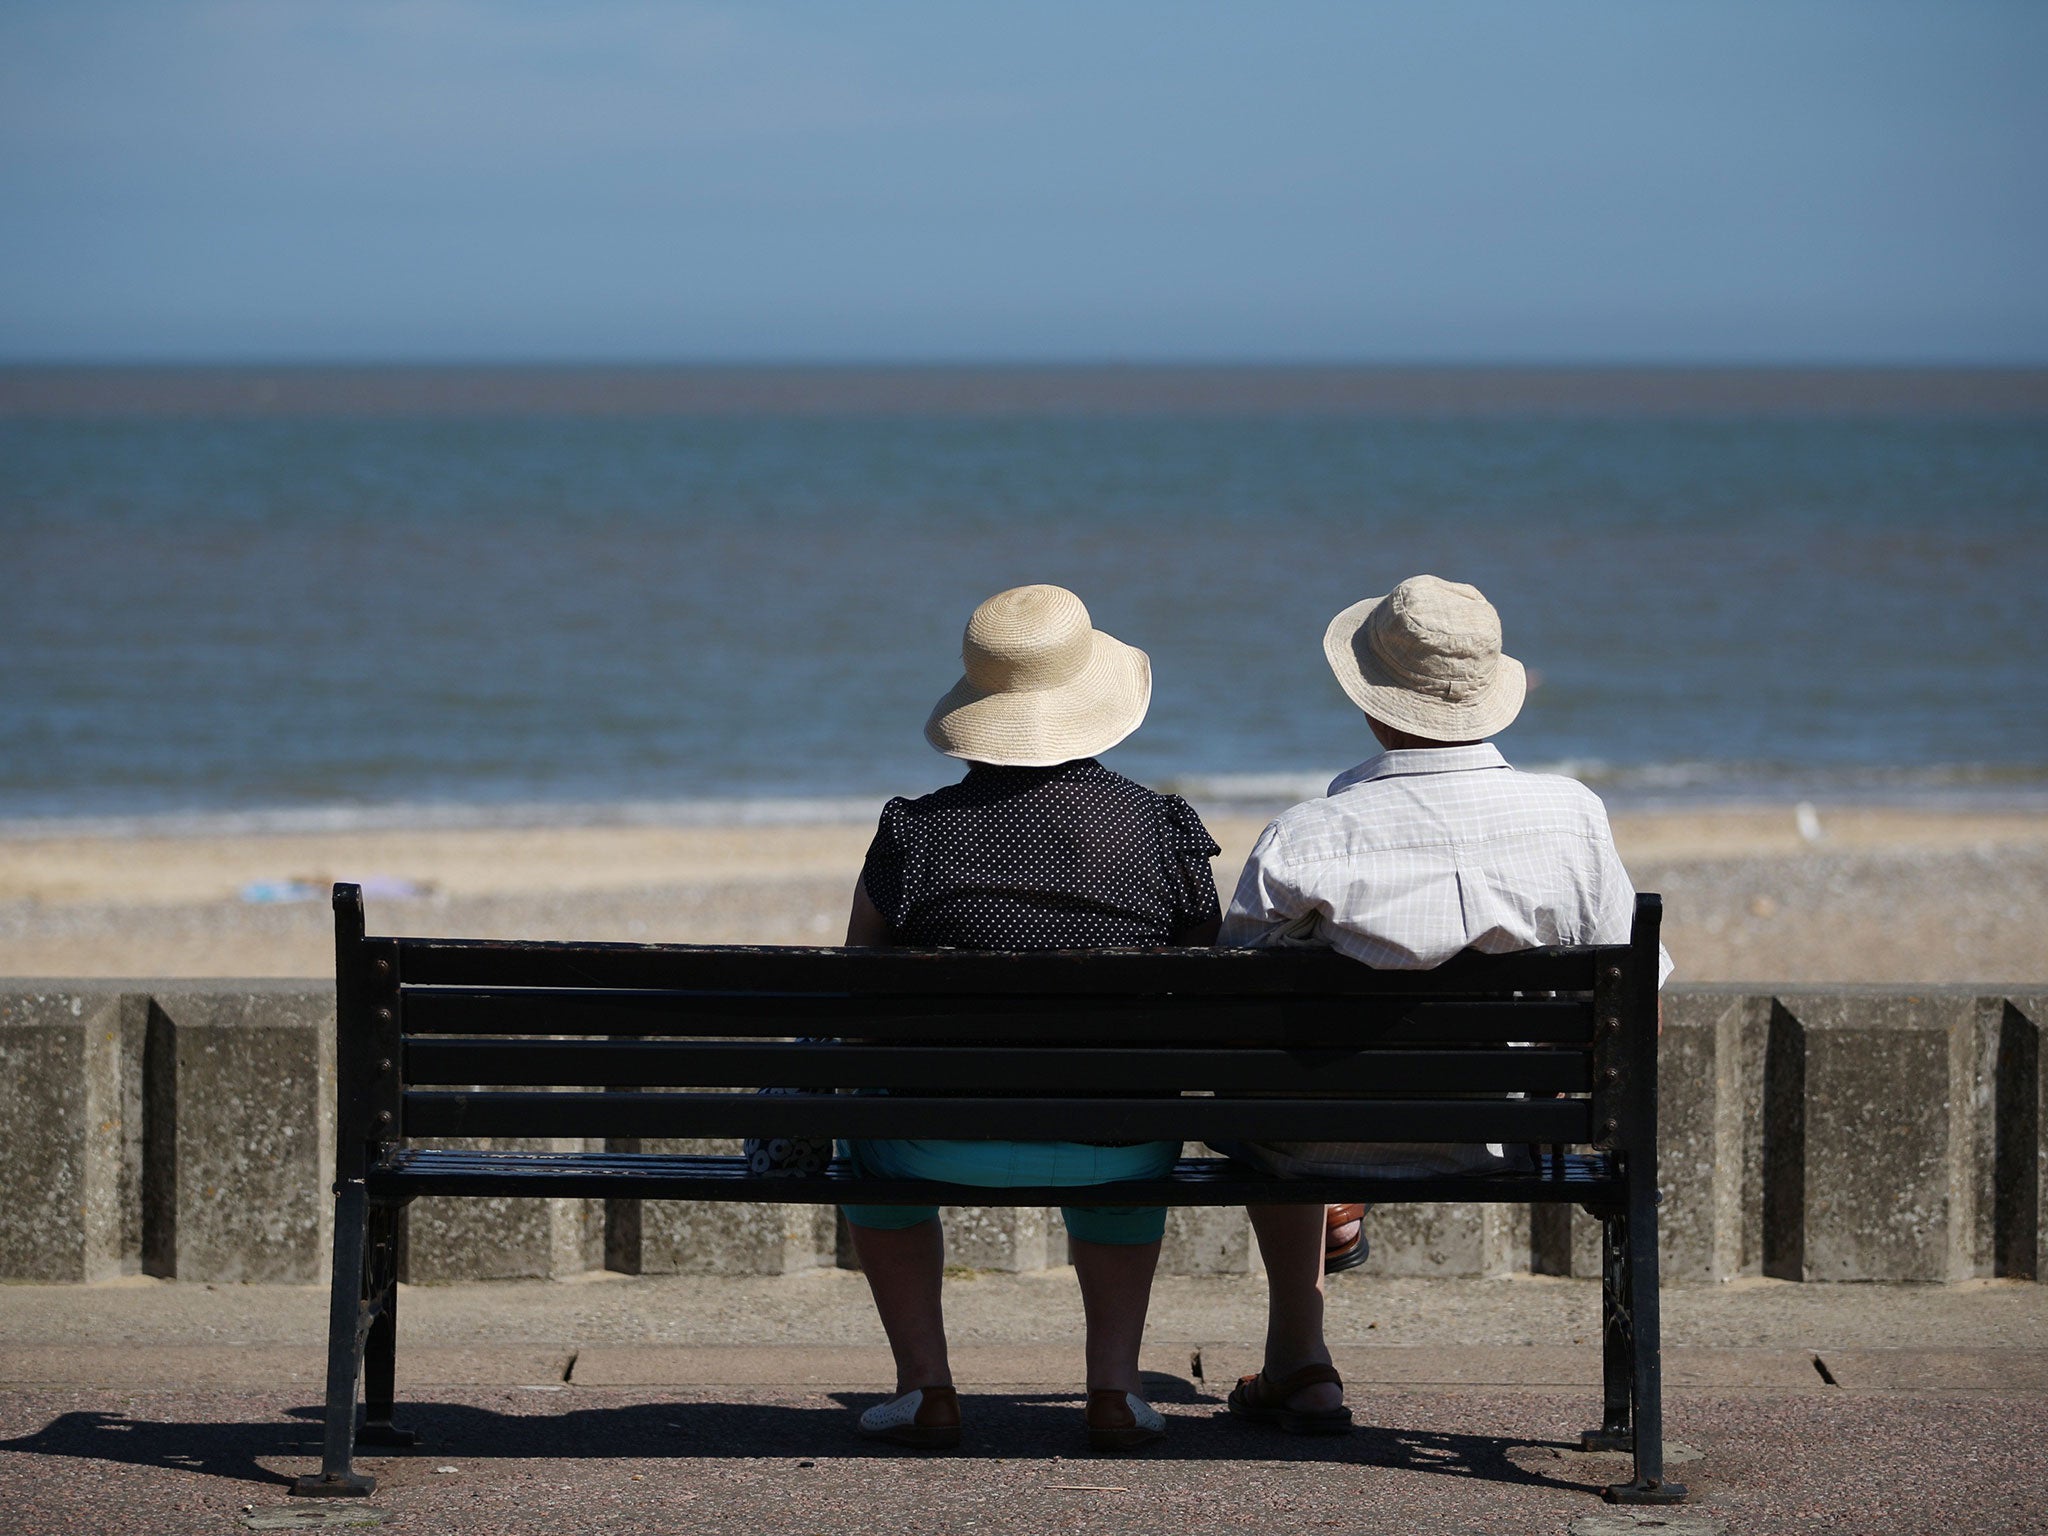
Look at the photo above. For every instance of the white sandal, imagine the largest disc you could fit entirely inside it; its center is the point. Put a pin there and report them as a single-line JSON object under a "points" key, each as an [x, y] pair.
{"points": [[924, 1418]]}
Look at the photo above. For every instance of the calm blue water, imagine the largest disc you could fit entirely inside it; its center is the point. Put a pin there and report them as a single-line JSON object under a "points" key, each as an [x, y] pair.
{"points": [[239, 611]]}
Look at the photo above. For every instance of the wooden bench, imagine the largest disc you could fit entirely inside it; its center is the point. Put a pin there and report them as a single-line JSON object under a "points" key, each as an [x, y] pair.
{"points": [[1555, 1049]]}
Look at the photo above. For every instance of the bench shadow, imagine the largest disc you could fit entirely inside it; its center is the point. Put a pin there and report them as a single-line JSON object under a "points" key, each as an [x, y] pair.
{"points": [[1018, 1426]]}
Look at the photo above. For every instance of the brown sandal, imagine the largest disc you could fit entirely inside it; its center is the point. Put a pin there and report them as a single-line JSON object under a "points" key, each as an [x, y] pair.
{"points": [[1342, 1256], [1265, 1402], [1121, 1421]]}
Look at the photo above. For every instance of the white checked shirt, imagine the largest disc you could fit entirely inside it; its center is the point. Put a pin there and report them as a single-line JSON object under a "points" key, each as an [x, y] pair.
{"points": [[1418, 854], [1414, 856]]}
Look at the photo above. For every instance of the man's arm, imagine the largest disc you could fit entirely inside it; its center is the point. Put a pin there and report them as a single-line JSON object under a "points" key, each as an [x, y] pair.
{"points": [[1267, 907], [1616, 919]]}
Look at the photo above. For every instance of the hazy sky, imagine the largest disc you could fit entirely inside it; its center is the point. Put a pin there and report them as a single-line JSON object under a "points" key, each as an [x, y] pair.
{"points": [[1514, 181]]}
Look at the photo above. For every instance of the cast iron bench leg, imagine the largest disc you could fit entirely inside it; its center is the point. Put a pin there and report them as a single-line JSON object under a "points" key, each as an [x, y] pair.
{"points": [[1617, 1340], [1646, 1385], [337, 1478], [380, 1350]]}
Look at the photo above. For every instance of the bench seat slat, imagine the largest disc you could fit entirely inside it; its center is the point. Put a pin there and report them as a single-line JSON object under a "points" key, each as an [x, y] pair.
{"points": [[1542, 1121], [1335, 1019], [516, 963], [1578, 1178], [522, 1062]]}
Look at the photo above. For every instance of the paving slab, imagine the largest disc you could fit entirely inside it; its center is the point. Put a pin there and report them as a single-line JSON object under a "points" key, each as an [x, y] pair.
{"points": [[849, 1368], [262, 1366], [423, 1367], [1542, 1366], [1060, 1365], [1925, 1370], [1690, 1366], [832, 1306]]}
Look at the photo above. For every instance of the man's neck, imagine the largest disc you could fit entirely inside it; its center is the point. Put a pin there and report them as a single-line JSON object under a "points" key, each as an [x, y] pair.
{"points": [[1393, 740]]}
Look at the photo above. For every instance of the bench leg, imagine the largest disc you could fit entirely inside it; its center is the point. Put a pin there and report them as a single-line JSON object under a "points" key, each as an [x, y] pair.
{"points": [[337, 1478], [1617, 1340], [380, 1349], [1646, 1375]]}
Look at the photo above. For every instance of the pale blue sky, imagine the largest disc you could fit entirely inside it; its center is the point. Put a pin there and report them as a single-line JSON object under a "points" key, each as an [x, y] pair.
{"points": [[1452, 181]]}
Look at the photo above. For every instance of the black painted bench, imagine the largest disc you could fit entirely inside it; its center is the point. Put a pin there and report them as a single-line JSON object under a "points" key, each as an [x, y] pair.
{"points": [[1556, 1049]]}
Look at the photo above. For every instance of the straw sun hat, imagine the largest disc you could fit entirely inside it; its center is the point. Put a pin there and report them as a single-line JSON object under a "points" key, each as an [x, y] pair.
{"points": [[1043, 685], [1426, 659]]}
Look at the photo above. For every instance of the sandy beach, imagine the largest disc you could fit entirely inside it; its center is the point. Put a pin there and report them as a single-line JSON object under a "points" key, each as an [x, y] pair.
{"points": [[1881, 895]]}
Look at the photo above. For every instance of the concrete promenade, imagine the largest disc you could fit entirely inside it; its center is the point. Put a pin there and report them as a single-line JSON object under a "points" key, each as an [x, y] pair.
{"points": [[689, 1403]]}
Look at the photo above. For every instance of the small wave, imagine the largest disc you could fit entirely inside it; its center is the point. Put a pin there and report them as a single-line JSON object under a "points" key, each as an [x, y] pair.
{"points": [[1692, 784], [1275, 788], [1642, 786], [437, 816], [1931, 787]]}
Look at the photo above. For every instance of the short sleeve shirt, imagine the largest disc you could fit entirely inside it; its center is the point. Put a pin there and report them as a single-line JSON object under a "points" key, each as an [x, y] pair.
{"points": [[1419, 853], [1069, 857]]}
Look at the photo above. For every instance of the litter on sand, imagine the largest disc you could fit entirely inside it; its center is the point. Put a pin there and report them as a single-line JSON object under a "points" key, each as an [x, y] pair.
{"points": [[269, 892], [375, 887]]}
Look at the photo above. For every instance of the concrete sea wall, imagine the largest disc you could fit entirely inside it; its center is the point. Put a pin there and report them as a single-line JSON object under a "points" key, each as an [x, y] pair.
{"points": [[186, 1129]]}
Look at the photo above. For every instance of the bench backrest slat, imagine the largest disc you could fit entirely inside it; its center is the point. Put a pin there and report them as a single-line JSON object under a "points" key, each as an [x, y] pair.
{"points": [[708, 1064], [1544, 1121], [1338, 1019], [507, 963]]}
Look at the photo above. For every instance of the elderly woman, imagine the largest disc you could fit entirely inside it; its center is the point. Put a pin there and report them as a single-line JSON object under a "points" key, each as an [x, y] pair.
{"points": [[1038, 847]]}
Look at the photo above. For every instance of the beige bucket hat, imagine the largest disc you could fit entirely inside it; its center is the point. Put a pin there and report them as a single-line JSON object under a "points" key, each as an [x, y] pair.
{"points": [[1043, 685], [1426, 659]]}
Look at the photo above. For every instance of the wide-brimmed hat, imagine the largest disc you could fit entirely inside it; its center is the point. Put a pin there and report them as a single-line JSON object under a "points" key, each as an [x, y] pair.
{"points": [[1043, 685], [1426, 659]]}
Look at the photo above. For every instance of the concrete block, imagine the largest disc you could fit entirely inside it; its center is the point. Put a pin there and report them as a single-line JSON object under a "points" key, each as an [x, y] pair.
{"points": [[1057, 1252], [70, 1149], [1973, 1161], [2021, 1212], [685, 1238], [1872, 1158], [1504, 1240], [1432, 1240], [1563, 1240], [1013, 1239], [1710, 1113], [502, 1237], [1208, 1240], [1691, 1159], [680, 1237], [240, 1135], [1711, 1065]]}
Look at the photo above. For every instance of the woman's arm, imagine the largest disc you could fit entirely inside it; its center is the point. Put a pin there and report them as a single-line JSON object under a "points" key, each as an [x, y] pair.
{"points": [[866, 928]]}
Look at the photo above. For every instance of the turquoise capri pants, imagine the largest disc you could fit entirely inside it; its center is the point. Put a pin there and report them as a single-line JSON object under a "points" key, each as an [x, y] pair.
{"points": [[1001, 1164]]}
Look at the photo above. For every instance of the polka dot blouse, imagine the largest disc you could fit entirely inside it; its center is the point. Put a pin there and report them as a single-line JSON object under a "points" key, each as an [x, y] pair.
{"points": [[1070, 857]]}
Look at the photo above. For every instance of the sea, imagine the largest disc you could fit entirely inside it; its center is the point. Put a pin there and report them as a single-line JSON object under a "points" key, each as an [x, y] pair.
{"points": [[297, 597]]}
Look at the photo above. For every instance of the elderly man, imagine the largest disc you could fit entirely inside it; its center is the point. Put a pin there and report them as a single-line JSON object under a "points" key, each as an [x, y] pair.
{"points": [[1434, 846]]}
